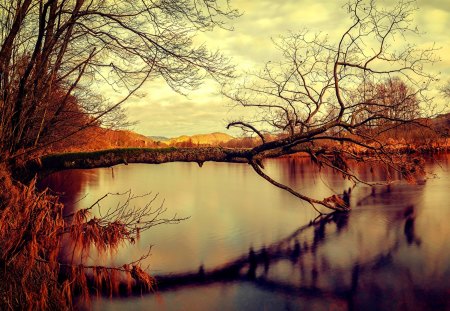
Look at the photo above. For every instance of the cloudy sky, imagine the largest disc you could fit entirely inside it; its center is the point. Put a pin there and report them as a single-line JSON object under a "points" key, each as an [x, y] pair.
{"points": [[162, 112]]}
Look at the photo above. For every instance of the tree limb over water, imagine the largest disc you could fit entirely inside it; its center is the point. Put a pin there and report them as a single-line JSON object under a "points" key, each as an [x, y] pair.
{"points": [[111, 157], [107, 158]]}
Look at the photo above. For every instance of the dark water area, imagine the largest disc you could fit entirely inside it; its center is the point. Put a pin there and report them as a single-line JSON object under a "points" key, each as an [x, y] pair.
{"points": [[392, 252]]}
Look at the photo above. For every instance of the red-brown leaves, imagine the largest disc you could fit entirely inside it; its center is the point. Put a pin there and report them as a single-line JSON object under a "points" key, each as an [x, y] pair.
{"points": [[30, 228], [103, 235]]}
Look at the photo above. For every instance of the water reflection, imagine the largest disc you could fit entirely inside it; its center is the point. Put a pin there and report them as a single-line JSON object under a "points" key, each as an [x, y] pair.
{"points": [[243, 247]]}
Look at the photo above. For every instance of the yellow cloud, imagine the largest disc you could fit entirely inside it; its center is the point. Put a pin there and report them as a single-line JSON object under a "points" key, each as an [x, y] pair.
{"points": [[250, 46]]}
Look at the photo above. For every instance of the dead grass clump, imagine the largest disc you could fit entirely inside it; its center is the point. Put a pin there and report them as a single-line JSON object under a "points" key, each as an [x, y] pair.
{"points": [[32, 226]]}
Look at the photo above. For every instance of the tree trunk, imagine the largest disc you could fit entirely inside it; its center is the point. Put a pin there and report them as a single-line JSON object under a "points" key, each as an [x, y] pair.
{"points": [[107, 158]]}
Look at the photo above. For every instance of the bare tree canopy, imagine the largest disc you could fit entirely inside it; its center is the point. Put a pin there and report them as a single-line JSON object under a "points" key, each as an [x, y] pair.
{"points": [[55, 53], [347, 91], [446, 90]]}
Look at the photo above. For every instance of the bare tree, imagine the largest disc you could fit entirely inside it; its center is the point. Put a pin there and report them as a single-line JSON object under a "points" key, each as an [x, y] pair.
{"points": [[53, 51], [346, 92]]}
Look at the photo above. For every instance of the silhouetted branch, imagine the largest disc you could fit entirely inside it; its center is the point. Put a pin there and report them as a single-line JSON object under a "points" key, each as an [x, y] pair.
{"points": [[242, 124]]}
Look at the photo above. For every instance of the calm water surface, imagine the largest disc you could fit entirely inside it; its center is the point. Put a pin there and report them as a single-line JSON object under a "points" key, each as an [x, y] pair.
{"points": [[392, 252]]}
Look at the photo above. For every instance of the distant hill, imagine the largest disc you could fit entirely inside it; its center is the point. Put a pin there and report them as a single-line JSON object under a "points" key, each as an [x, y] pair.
{"points": [[125, 138], [159, 138], [97, 138], [201, 139]]}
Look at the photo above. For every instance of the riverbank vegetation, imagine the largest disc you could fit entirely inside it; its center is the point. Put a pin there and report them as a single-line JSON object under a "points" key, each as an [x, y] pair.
{"points": [[335, 101]]}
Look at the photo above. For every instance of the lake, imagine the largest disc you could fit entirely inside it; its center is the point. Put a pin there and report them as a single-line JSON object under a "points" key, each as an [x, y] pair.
{"points": [[391, 252]]}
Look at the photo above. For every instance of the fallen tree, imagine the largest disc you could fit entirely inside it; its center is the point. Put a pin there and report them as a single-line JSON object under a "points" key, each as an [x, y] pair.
{"points": [[323, 156], [107, 158]]}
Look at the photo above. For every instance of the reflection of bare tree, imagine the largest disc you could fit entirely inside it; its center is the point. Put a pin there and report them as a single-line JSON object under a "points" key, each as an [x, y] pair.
{"points": [[409, 229], [301, 250], [306, 241], [309, 275]]}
